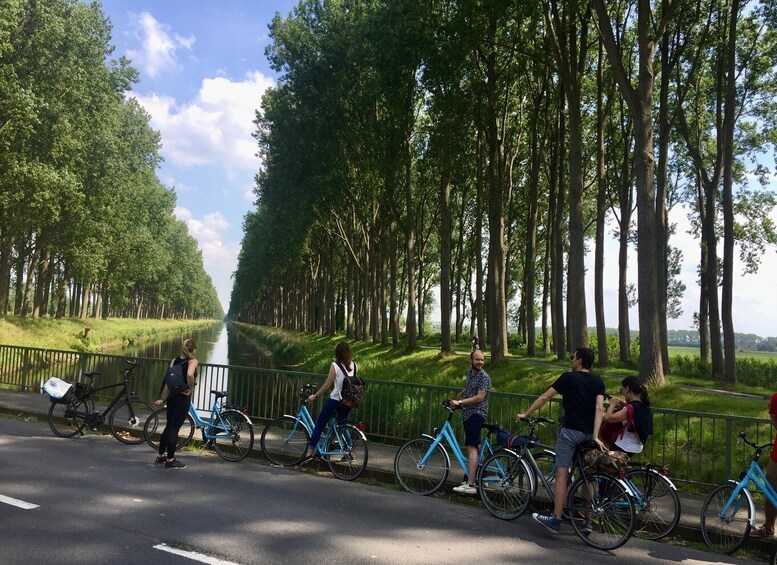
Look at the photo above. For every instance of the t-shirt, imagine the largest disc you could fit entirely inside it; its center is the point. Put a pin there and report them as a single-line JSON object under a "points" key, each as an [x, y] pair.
{"points": [[579, 391], [475, 383], [773, 410]]}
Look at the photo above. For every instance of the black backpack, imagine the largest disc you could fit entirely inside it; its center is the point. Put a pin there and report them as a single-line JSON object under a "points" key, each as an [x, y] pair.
{"points": [[175, 379], [352, 392]]}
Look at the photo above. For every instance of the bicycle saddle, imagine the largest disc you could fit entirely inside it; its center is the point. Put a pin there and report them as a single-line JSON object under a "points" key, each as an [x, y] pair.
{"points": [[218, 393]]}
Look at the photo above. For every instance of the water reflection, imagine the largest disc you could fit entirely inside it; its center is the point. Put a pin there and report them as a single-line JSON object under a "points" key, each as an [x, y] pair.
{"points": [[219, 344]]}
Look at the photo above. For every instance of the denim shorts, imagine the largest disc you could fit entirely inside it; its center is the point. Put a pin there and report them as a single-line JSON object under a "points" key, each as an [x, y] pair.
{"points": [[566, 442], [472, 426]]}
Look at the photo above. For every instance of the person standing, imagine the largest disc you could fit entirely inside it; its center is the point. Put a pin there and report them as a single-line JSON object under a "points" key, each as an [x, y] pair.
{"points": [[342, 367], [766, 530], [583, 400], [177, 406], [473, 401]]}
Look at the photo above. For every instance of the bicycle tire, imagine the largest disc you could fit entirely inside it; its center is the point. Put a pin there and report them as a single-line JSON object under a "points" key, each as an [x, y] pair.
{"points": [[67, 420], [348, 462], [234, 436], [156, 423], [129, 429], [506, 483], [657, 505], [421, 480], [284, 441], [729, 533], [609, 508]]}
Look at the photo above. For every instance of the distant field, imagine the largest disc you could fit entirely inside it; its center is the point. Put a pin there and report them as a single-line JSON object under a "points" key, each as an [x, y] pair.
{"points": [[678, 350]]}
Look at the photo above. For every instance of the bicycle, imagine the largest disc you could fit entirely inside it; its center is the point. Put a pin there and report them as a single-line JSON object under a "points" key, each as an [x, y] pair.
{"points": [[728, 512], [599, 506], [126, 412], [422, 464], [285, 440], [228, 429]]}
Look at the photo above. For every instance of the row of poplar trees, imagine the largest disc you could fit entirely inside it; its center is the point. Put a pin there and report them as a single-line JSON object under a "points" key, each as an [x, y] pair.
{"points": [[86, 227], [485, 145]]}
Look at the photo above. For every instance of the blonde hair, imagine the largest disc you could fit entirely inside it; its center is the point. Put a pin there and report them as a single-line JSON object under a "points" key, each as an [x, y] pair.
{"points": [[189, 347]]}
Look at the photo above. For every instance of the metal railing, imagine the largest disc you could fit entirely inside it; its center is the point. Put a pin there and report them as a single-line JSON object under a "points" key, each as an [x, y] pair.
{"points": [[700, 448]]}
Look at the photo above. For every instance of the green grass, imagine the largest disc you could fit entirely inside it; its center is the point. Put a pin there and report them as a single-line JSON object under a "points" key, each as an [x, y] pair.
{"points": [[68, 333], [694, 351]]}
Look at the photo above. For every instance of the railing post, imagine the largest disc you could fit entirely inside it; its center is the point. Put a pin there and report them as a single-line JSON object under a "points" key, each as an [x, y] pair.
{"points": [[428, 410], [26, 367], [729, 447]]}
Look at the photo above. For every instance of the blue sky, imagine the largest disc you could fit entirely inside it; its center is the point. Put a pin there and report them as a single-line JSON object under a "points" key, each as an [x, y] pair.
{"points": [[203, 72]]}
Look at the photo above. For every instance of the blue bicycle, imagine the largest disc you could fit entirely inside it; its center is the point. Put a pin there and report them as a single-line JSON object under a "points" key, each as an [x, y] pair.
{"points": [[422, 464], [728, 513], [343, 446], [228, 429]]}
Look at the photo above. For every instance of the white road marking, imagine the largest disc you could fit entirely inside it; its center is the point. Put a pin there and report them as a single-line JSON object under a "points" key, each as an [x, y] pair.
{"points": [[193, 555], [18, 503]]}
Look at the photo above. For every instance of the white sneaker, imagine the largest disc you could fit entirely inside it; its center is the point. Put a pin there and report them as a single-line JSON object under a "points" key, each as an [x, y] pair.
{"points": [[466, 488]]}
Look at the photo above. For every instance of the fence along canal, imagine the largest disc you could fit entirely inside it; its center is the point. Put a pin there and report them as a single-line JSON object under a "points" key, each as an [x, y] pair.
{"points": [[700, 448]]}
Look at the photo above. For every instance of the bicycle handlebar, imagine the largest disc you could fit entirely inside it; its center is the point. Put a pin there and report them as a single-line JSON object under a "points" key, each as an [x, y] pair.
{"points": [[743, 437]]}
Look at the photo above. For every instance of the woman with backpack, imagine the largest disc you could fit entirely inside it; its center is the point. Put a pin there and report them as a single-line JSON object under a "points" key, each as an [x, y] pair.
{"points": [[340, 369], [177, 406], [629, 421]]}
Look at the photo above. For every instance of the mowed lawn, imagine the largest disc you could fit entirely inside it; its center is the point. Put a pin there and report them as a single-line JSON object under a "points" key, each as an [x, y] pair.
{"points": [[694, 351]]}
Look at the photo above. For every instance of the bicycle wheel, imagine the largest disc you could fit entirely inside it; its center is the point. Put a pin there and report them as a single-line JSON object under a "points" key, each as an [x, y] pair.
{"points": [[127, 425], [657, 505], [156, 423], [234, 436], [416, 478], [546, 461], [67, 420], [284, 441], [601, 511], [726, 531], [347, 453], [506, 484]]}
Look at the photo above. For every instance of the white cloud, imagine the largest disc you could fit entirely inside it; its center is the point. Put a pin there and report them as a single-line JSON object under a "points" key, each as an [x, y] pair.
{"points": [[158, 46], [213, 129], [219, 257]]}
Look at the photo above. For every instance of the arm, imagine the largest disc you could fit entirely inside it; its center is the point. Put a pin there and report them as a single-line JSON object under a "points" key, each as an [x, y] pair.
{"points": [[477, 399], [542, 399], [165, 394], [616, 411], [330, 378], [192, 367], [773, 418], [598, 420]]}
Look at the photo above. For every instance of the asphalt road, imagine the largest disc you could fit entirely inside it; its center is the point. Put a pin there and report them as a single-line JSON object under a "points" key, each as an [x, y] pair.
{"points": [[102, 502]]}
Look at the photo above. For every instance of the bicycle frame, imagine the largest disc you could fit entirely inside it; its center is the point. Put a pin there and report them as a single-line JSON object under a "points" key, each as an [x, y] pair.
{"points": [[446, 433], [124, 394], [755, 475], [306, 419], [212, 427]]}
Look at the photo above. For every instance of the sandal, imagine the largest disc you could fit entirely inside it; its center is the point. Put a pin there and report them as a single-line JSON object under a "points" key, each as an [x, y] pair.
{"points": [[762, 532]]}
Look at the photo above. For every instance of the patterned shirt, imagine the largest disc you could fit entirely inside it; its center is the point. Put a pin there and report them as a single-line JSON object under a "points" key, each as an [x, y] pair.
{"points": [[475, 383]]}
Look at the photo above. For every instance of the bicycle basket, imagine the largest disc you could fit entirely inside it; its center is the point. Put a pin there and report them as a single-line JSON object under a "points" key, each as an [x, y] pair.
{"points": [[606, 461]]}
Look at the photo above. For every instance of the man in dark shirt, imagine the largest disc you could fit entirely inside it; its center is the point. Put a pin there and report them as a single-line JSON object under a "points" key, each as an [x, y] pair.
{"points": [[583, 401]]}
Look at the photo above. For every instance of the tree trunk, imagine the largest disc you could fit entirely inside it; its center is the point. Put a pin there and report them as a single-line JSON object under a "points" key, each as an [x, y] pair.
{"points": [[445, 264], [601, 210]]}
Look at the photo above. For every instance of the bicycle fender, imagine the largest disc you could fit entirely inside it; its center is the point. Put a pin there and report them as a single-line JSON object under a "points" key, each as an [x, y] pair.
{"points": [[353, 429], [626, 486], [244, 416], [750, 501], [671, 484]]}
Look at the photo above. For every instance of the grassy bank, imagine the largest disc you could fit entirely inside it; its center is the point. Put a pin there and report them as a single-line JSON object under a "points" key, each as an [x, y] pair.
{"points": [[519, 374], [87, 335]]}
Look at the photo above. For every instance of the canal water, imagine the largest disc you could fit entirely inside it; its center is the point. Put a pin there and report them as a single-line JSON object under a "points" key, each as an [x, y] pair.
{"points": [[219, 344]]}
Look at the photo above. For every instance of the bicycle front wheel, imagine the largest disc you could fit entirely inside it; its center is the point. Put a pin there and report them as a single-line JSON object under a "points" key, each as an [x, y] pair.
{"points": [[127, 421], [284, 441], [234, 436], [67, 420], [657, 505], [725, 519], [347, 453], [420, 478], [157, 422], [506, 484], [601, 511], [546, 462]]}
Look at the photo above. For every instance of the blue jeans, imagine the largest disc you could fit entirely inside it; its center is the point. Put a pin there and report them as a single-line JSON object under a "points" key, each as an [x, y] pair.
{"points": [[330, 407]]}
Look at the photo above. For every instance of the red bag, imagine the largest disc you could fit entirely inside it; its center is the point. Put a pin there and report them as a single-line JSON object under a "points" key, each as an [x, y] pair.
{"points": [[610, 431]]}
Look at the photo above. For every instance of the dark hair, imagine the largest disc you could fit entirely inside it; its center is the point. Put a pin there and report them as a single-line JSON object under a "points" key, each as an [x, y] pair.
{"points": [[637, 388], [586, 357], [343, 354]]}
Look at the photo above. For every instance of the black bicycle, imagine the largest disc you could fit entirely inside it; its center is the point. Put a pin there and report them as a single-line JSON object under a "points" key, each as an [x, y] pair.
{"points": [[126, 413]]}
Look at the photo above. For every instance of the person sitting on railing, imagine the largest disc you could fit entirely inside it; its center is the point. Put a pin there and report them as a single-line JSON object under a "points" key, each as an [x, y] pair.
{"points": [[628, 421], [766, 530]]}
